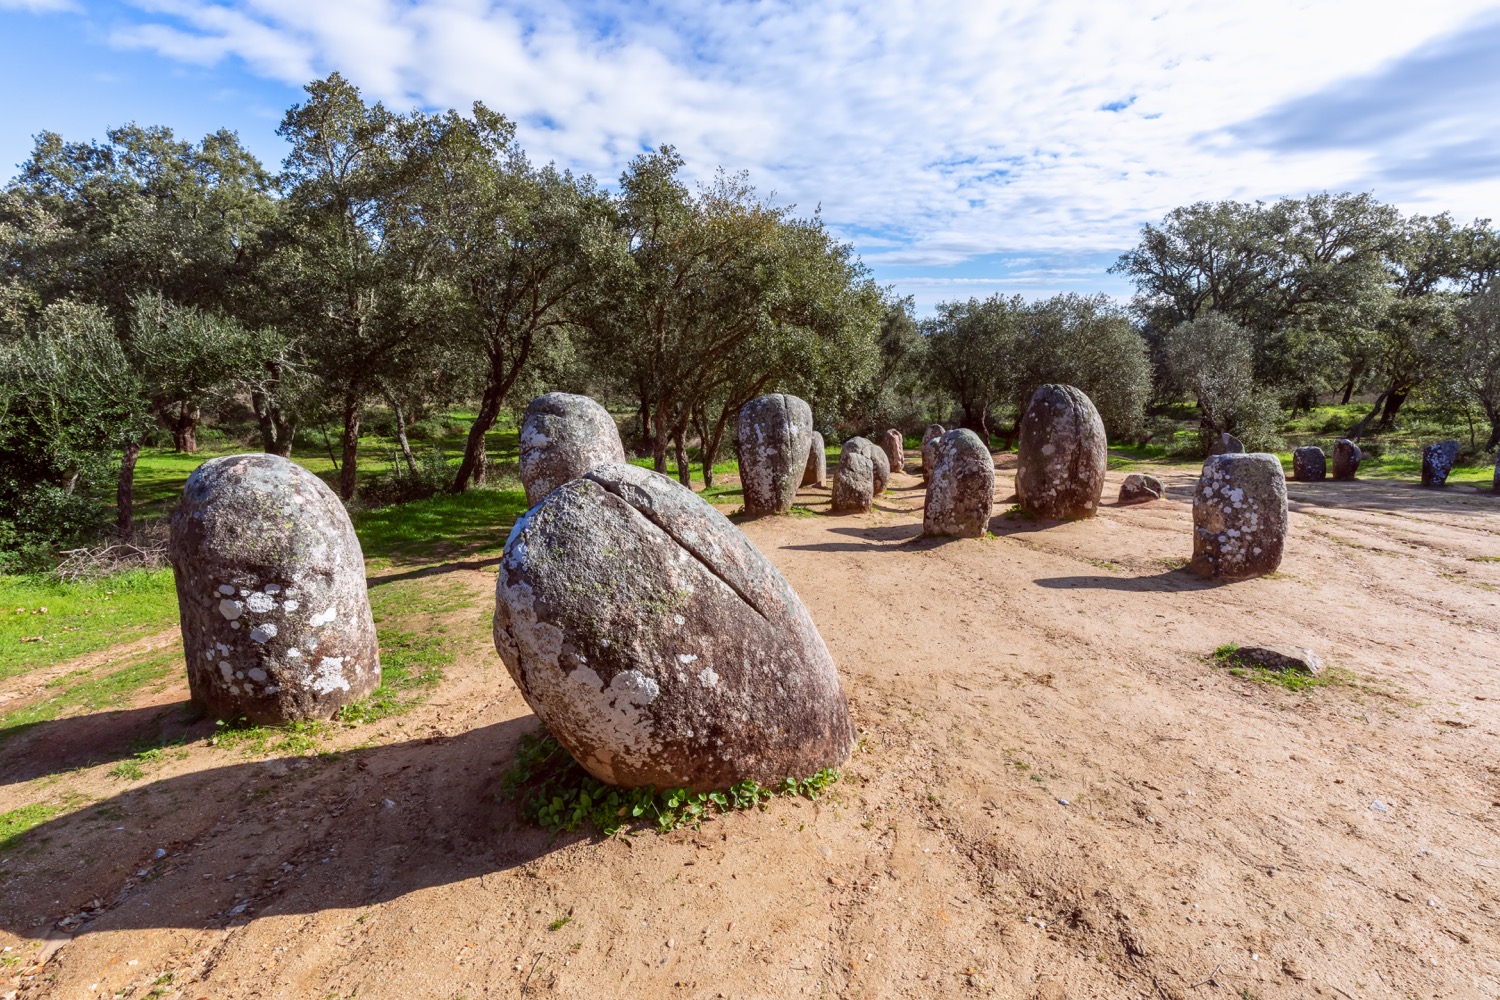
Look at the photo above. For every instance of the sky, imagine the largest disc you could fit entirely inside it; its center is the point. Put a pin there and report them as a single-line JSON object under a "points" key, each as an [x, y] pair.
{"points": [[964, 148]]}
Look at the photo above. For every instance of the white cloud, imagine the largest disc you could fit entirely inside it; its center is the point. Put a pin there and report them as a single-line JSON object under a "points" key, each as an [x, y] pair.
{"points": [[940, 130]]}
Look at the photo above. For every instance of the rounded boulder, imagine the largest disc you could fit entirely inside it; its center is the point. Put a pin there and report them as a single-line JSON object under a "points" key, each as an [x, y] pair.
{"points": [[1309, 464], [1346, 456], [894, 446], [1139, 487], [816, 473], [853, 480], [1438, 461], [775, 432], [1239, 516], [674, 656], [562, 437], [1062, 454], [929, 448], [276, 623], [878, 459], [961, 491]]}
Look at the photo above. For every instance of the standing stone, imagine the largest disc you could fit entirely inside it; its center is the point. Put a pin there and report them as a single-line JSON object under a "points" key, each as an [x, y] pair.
{"points": [[853, 480], [675, 655], [1309, 465], [1437, 461], [1141, 488], [562, 437], [1226, 444], [1346, 456], [775, 432], [1062, 454], [961, 491], [929, 449], [877, 458], [895, 450], [1239, 516], [276, 620], [816, 473]]}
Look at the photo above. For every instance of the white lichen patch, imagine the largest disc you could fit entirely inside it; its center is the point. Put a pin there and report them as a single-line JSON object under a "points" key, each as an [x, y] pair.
{"points": [[231, 609], [257, 675], [290, 605], [329, 676], [260, 603], [323, 617], [264, 632], [226, 589]]}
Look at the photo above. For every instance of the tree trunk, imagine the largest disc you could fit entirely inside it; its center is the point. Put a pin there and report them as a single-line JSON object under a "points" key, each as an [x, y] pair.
{"points": [[125, 490], [481, 464], [349, 447], [185, 430], [659, 441], [1359, 429], [1393, 403], [1348, 390], [708, 446], [406, 455], [644, 442], [276, 432], [684, 468], [475, 457]]}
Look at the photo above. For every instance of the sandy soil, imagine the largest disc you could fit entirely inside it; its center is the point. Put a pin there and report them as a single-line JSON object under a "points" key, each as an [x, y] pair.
{"points": [[1058, 795]]}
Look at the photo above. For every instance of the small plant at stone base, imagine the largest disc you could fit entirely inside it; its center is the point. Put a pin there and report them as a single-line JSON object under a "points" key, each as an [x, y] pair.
{"points": [[1227, 656], [1015, 512], [553, 791]]}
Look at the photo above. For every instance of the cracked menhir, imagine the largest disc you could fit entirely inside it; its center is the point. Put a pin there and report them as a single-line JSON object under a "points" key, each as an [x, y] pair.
{"points": [[562, 437], [658, 645], [929, 449], [775, 432], [816, 473], [276, 621], [854, 479], [1239, 516], [1062, 454], [961, 491]]}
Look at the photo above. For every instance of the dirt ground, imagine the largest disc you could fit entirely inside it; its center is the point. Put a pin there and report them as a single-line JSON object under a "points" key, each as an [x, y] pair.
{"points": [[1058, 794]]}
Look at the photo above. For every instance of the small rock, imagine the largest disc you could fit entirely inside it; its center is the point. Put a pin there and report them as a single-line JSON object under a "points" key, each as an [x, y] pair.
{"points": [[1293, 659], [161, 852], [388, 803], [1379, 806], [1141, 488], [1346, 458], [1309, 465], [1437, 461]]}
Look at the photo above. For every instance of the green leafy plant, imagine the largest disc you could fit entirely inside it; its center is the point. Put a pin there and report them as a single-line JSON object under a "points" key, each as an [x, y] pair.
{"points": [[554, 792]]}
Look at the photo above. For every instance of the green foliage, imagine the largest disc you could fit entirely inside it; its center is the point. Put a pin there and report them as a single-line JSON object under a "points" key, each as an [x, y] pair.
{"points": [[81, 617], [554, 792], [1295, 681], [92, 689], [1212, 359], [478, 518], [292, 739], [15, 823]]}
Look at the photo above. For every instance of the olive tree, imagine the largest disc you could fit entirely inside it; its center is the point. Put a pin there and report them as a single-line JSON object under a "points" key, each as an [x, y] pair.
{"points": [[1211, 359]]}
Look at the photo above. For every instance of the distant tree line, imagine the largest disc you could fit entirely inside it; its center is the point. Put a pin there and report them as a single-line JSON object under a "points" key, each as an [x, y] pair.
{"points": [[400, 265]]}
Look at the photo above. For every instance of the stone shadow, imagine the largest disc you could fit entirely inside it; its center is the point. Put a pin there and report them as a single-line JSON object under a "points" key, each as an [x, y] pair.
{"points": [[33, 750], [1170, 581], [875, 538], [222, 846]]}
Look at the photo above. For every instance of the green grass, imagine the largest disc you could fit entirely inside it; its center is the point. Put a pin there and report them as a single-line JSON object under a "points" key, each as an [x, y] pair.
{"points": [[1227, 657], [104, 686], [15, 824], [81, 617], [412, 531], [555, 793], [136, 766], [411, 658], [292, 739]]}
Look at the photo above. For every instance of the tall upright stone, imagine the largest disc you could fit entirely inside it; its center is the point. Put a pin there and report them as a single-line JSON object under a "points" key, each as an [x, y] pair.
{"points": [[961, 492], [1239, 516], [929, 449], [1062, 454], [1346, 458], [775, 432], [1438, 461], [1309, 464], [562, 437], [276, 623], [878, 459], [1226, 444], [816, 473], [658, 645], [854, 479], [894, 446]]}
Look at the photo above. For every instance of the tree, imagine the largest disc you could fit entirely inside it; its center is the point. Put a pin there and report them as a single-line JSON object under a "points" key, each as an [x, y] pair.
{"points": [[1211, 358], [971, 353], [1479, 355], [1087, 342]]}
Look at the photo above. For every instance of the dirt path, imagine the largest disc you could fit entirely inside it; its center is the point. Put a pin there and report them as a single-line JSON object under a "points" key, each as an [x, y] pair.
{"points": [[1058, 795]]}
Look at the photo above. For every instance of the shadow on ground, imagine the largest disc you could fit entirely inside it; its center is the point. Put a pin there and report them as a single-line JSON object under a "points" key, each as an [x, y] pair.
{"points": [[37, 749], [291, 835], [873, 538], [1174, 580]]}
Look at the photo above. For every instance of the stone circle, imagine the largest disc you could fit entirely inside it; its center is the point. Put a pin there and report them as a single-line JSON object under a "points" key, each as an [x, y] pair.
{"points": [[1309, 464], [854, 479], [929, 449], [1346, 457], [1226, 444], [1438, 461], [894, 446], [816, 473], [1139, 487]]}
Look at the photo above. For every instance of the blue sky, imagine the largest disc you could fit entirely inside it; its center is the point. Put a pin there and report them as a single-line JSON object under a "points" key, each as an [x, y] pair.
{"points": [[964, 148]]}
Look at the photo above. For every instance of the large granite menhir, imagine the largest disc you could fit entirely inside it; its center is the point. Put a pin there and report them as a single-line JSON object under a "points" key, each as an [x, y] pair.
{"points": [[1438, 461], [930, 438], [878, 459], [894, 446], [1239, 516], [658, 645], [276, 623], [816, 473], [961, 492], [1346, 458], [1309, 464], [1062, 454], [562, 437], [854, 479], [775, 432]]}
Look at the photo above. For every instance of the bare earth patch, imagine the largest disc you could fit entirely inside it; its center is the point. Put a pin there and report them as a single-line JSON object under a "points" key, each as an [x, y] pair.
{"points": [[1059, 794]]}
